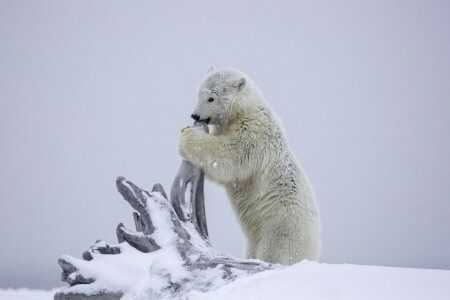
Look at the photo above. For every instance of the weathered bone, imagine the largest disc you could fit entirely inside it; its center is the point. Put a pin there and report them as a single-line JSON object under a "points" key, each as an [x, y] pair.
{"points": [[187, 220]]}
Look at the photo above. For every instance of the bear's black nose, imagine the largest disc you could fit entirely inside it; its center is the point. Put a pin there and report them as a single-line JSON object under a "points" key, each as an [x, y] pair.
{"points": [[195, 117]]}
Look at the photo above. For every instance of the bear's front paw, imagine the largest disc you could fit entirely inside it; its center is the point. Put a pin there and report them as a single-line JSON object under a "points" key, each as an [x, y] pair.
{"points": [[189, 142], [185, 128]]}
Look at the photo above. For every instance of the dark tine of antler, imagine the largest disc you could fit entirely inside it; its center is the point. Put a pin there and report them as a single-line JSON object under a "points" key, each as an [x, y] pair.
{"points": [[203, 125], [87, 255], [69, 270], [139, 223], [132, 193], [160, 189], [198, 204], [102, 248], [66, 266], [178, 189], [79, 279], [198, 196], [189, 175], [138, 240], [136, 198]]}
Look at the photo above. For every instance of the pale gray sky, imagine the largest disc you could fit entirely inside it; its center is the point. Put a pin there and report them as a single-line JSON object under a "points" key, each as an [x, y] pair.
{"points": [[95, 89]]}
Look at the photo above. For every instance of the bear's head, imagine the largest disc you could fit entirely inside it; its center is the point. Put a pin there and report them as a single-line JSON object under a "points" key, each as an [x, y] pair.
{"points": [[220, 95]]}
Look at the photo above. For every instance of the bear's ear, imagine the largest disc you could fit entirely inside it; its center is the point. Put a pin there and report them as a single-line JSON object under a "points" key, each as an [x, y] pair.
{"points": [[210, 69], [240, 84]]}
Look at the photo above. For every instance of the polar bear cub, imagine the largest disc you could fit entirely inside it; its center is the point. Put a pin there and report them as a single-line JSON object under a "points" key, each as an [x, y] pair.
{"points": [[250, 156]]}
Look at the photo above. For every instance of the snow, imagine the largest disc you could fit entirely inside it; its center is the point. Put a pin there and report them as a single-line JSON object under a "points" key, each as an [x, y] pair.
{"points": [[305, 280], [186, 205], [141, 275], [130, 270], [309, 280], [26, 294]]}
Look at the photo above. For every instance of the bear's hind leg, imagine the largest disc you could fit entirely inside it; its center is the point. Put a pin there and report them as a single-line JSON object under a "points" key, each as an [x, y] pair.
{"points": [[285, 245], [251, 250]]}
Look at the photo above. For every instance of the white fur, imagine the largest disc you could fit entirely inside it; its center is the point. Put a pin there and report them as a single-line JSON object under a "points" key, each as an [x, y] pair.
{"points": [[251, 158]]}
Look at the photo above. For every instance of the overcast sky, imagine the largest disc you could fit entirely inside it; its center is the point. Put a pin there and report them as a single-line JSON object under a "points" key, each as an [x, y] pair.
{"points": [[95, 89]]}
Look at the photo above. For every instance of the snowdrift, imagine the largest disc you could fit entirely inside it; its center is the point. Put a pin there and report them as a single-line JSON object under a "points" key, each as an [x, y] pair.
{"points": [[312, 281]]}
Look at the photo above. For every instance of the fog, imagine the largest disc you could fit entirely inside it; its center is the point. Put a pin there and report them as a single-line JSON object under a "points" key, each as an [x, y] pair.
{"points": [[96, 89]]}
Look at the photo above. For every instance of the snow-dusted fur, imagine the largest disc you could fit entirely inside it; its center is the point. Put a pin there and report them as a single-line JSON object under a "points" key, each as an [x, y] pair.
{"points": [[250, 156]]}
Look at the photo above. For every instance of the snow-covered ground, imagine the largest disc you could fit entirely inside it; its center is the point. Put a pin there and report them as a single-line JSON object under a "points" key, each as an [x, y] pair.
{"points": [[26, 294], [309, 280]]}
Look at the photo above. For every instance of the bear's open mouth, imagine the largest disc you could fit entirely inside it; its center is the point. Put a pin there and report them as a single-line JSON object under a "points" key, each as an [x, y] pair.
{"points": [[207, 120]]}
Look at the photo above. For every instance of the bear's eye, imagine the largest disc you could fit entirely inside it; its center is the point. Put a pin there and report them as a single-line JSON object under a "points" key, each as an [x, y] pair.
{"points": [[211, 99]]}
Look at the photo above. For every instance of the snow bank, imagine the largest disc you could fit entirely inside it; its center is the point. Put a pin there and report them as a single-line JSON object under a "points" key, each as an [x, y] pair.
{"points": [[26, 294], [309, 280], [313, 281]]}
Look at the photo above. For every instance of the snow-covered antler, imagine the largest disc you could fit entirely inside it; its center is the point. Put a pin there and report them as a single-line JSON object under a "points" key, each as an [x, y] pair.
{"points": [[168, 256]]}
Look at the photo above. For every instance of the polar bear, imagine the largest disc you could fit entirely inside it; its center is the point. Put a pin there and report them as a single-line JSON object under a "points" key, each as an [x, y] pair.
{"points": [[250, 156]]}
